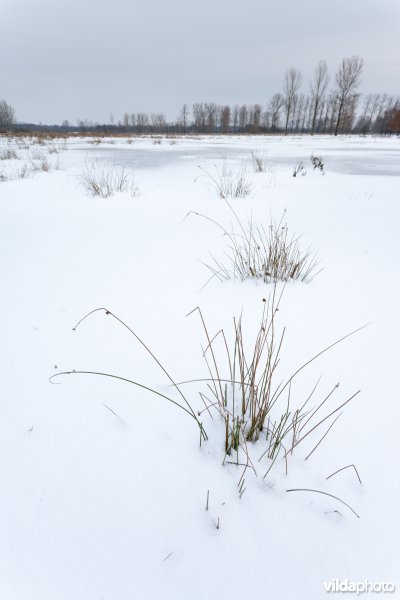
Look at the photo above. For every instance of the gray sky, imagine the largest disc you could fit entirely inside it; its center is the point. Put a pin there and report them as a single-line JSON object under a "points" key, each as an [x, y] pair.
{"points": [[64, 59]]}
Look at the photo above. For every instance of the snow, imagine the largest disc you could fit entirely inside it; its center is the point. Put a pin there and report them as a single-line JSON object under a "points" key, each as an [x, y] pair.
{"points": [[104, 506]]}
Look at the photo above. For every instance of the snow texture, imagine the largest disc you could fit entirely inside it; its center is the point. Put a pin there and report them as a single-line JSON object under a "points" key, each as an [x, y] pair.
{"points": [[104, 485]]}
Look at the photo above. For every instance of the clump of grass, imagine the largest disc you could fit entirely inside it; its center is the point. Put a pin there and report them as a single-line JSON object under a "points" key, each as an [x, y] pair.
{"points": [[258, 162], [318, 163], [42, 165], [38, 155], [55, 149], [269, 253], [22, 173], [258, 416], [104, 181], [8, 154], [231, 183], [242, 388], [299, 170], [39, 162]]}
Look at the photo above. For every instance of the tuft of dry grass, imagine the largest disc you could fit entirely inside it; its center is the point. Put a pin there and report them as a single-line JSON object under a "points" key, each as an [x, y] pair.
{"points": [[258, 162], [229, 182], [252, 403], [299, 170], [261, 420], [8, 154], [104, 181], [269, 253]]}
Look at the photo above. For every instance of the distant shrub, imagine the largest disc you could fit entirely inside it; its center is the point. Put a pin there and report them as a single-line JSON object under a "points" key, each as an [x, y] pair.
{"points": [[317, 163]]}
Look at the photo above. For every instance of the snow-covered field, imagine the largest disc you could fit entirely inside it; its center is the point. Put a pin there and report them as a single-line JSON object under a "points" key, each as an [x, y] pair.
{"points": [[104, 485]]}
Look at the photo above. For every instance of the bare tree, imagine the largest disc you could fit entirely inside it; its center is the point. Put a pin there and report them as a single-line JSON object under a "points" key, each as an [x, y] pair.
{"points": [[126, 120], [7, 114], [370, 107], [235, 117], [299, 112], [158, 122], [394, 125], [183, 118], [199, 117], [243, 117], [274, 107], [142, 121], [306, 115], [391, 106], [347, 82], [265, 119], [318, 90], [375, 101], [225, 118], [211, 116], [290, 91], [255, 116], [349, 113], [333, 111]]}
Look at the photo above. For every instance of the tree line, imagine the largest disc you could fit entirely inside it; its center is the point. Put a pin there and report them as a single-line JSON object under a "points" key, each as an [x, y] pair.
{"points": [[322, 109]]}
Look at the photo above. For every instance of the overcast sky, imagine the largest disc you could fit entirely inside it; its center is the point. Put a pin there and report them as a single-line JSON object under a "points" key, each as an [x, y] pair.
{"points": [[64, 59]]}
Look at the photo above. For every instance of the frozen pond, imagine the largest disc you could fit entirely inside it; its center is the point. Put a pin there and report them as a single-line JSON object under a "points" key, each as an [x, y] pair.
{"points": [[352, 156]]}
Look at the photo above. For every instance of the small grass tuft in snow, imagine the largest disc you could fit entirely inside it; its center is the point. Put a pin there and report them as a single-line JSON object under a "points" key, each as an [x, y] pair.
{"points": [[299, 170], [104, 181], [231, 183], [318, 163], [242, 388], [258, 162], [56, 149], [8, 154], [268, 253]]}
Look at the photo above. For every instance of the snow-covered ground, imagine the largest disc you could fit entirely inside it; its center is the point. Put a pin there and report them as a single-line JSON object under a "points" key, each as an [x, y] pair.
{"points": [[104, 485]]}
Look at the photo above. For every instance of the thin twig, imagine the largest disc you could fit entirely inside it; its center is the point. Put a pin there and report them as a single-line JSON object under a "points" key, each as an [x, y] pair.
{"points": [[325, 494], [342, 469]]}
